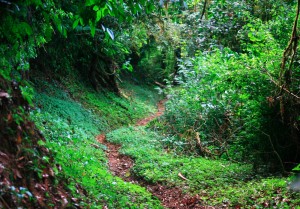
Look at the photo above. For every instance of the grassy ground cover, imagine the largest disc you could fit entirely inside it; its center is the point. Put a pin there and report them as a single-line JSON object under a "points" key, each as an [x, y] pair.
{"points": [[217, 182], [70, 117], [70, 120]]}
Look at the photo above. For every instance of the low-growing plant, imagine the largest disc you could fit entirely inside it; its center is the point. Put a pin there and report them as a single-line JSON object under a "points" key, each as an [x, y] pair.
{"points": [[216, 182], [70, 129]]}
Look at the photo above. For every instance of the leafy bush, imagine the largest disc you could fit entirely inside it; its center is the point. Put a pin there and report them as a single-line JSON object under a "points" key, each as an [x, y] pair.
{"points": [[222, 107]]}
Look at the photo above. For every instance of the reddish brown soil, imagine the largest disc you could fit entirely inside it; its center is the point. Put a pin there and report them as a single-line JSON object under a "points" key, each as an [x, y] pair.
{"points": [[120, 165], [160, 111]]}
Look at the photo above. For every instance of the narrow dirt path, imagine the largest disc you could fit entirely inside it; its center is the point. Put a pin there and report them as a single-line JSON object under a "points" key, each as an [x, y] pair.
{"points": [[120, 165], [160, 111]]}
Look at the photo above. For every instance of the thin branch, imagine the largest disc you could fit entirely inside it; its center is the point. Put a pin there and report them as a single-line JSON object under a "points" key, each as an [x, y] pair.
{"points": [[280, 86], [4, 202], [274, 150], [203, 10]]}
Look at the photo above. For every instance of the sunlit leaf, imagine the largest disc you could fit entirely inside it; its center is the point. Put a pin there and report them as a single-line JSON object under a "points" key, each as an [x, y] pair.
{"points": [[90, 2], [95, 8], [75, 23], [297, 168], [81, 21], [93, 28], [110, 33], [99, 15]]}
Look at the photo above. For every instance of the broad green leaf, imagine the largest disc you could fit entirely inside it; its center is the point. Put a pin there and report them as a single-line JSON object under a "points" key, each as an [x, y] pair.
{"points": [[109, 6], [41, 143], [105, 12], [27, 93], [95, 8], [134, 10], [81, 21], [37, 2], [5, 74], [99, 15], [65, 32], [90, 2], [297, 168], [57, 22], [150, 8], [75, 23], [93, 28], [26, 28]]}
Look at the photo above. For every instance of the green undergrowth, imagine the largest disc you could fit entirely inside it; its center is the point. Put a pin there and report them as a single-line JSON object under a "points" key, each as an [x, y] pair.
{"points": [[217, 182], [135, 102], [71, 120], [85, 164], [113, 111]]}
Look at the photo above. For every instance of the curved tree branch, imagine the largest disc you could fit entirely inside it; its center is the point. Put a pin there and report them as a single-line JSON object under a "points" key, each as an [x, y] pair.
{"points": [[203, 10]]}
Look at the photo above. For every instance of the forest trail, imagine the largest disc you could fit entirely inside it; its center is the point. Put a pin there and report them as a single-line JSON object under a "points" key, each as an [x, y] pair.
{"points": [[120, 165]]}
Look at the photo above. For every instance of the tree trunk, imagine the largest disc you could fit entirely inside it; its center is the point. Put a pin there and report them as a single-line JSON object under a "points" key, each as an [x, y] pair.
{"points": [[103, 74]]}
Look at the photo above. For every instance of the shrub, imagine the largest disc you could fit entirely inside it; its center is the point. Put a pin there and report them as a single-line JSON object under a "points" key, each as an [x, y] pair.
{"points": [[222, 107]]}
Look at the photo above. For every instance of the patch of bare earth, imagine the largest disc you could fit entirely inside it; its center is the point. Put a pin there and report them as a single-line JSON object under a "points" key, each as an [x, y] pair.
{"points": [[160, 111], [120, 165]]}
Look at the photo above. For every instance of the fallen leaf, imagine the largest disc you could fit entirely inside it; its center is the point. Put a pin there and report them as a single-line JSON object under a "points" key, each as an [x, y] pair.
{"points": [[4, 94], [45, 173], [266, 204], [17, 173], [19, 138], [1, 168], [95, 145], [51, 172], [181, 176], [39, 186], [9, 118], [20, 158], [65, 201], [4, 158]]}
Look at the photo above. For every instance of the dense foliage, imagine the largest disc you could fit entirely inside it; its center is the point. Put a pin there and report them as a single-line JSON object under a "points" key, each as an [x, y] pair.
{"points": [[229, 69], [234, 101], [33, 36], [218, 182]]}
